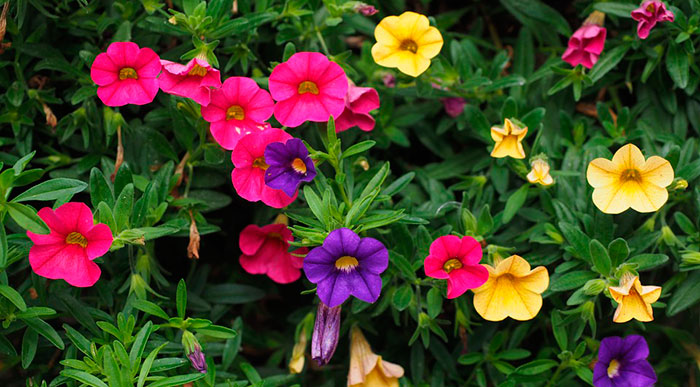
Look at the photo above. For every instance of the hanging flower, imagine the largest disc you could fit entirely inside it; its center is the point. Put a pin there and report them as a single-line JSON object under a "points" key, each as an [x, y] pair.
{"points": [[540, 173], [368, 369], [629, 181], [650, 13], [347, 265], [359, 101], [289, 165], [266, 251], [296, 364], [324, 339], [193, 80], [508, 138], [406, 42], [512, 290], [68, 251], [623, 362], [454, 106], [457, 260], [307, 87], [633, 300], [126, 74], [586, 44]]}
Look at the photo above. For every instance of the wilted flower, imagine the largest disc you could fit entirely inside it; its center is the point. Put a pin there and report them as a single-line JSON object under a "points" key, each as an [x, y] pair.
{"points": [[508, 138], [266, 251], [359, 101], [324, 339], [648, 14], [457, 260], [193, 80], [368, 369], [296, 364], [633, 300], [623, 362], [540, 173], [454, 106], [586, 44], [289, 165]]}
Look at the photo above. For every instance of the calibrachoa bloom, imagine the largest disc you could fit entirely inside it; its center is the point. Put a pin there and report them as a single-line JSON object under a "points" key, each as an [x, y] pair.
{"points": [[648, 14], [296, 364], [629, 181], [508, 138], [540, 173], [406, 42], [239, 107], [359, 101], [633, 300], [68, 251], [347, 265], [248, 174], [126, 74], [368, 369], [622, 362], [454, 106], [586, 44], [289, 165], [307, 87], [266, 251], [193, 80], [512, 290], [324, 339], [457, 260]]}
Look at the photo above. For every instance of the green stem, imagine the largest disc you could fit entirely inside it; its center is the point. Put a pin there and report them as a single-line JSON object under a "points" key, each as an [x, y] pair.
{"points": [[323, 42], [556, 375]]}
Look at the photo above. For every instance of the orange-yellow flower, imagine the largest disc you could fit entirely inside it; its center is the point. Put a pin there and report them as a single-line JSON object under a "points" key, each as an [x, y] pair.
{"points": [[367, 369], [407, 42], [633, 300], [540, 173], [508, 138], [629, 181], [512, 290]]}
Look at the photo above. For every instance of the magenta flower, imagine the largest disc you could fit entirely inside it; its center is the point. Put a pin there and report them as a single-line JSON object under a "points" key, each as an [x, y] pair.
{"points": [[68, 251], [359, 101], [289, 164], [365, 9], [239, 107], [193, 80], [307, 87], [454, 106], [457, 260], [648, 14], [389, 80], [266, 251], [585, 46], [126, 74], [623, 362], [324, 339]]}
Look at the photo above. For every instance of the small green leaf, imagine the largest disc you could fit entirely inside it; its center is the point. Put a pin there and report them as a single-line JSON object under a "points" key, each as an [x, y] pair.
{"points": [[51, 190], [648, 261], [600, 257], [83, 377], [515, 201], [29, 342], [150, 308], [402, 297], [14, 297], [27, 218], [677, 64], [181, 298], [46, 330], [434, 299]]}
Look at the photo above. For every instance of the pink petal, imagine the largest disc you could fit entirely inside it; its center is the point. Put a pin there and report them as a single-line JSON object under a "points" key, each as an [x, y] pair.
{"points": [[467, 277], [298, 257], [216, 110], [283, 271], [185, 86], [295, 111], [122, 54], [283, 82], [470, 251], [55, 223], [147, 63], [129, 91], [227, 133], [253, 264], [333, 82], [239, 90], [597, 43], [99, 241], [76, 216], [643, 29], [248, 182], [252, 146], [348, 119], [433, 267], [251, 239], [362, 99], [276, 198], [103, 71], [260, 106], [68, 263], [446, 247]]}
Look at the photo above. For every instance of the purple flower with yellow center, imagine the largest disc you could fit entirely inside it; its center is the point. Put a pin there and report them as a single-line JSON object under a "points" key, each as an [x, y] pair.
{"points": [[623, 362], [347, 265], [288, 165]]}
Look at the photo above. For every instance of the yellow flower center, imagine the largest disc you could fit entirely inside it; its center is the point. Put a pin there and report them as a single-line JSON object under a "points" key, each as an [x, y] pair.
{"points": [[308, 87], [198, 71], [631, 175], [235, 112], [127, 73], [409, 45], [651, 8], [613, 368], [260, 163], [76, 238], [452, 264], [298, 165], [346, 263]]}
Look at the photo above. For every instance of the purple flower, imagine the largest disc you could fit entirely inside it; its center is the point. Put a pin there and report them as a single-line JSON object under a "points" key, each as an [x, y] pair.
{"points": [[623, 362], [197, 359], [454, 106], [389, 80], [325, 336], [347, 265], [288, 165]]}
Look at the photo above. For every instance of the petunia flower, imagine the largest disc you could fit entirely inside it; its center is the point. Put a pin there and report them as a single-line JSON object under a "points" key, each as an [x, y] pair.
{"points": [[359, 101], [193, 80], [68, 251], [324, 339], [248, 174], [406, 42], [629, 181], [623, 362], [368, 369], [307, 87], [239, 107], [126, 74], [457, 260], [633, 300], [540, 173], [650, 13], [266, 251], [289, 165], [454, 106], [347, 265], [508, 138], [586, 44], [512, 290]]}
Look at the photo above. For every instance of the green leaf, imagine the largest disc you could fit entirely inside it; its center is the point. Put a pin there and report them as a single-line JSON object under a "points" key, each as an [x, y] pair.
{"points": [[46, 330], [677, 64], [181, 298], [150, 308], [358, 148], [80, 342], [608, 61], [139, 344], [515, 201], [648, 261], [571, 280], [123, 207], [83, 377], [470, 358], [51, 190], [618, 251], [14, 297], [232, 294], [402, 297], [146, 367], [100, 189], [399, 184], [536, 367], [687, 294], [577, 239], [600, 257], [434, 299], [27, 218], [29, 342], [616, 8], [484, 224], [217, 331]]}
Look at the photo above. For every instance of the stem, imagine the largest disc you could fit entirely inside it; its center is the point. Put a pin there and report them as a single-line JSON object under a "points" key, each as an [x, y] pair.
{"points": [[323, 42], [556, 375]]}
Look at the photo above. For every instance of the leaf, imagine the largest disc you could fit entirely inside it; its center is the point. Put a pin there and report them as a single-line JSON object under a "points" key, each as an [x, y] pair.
{"points": [[399, 184], [232, 294], [515, 201], [484, 223], [578, 240], [80, 342], [29, 342], [402, 297], [616, 8], [146, 367], [434, 299], [600, 257], [536, 367], [27, 218], [100, 189], [677, 65], [217, 331], [608, 62], [618, 251], [687, 294], [358, 148], [43, 328], [181, 298], [470, 358], [14, 297], [51, 190], [571, 280], [140, 342], [83, 377], [150, 308], [648, 261]]}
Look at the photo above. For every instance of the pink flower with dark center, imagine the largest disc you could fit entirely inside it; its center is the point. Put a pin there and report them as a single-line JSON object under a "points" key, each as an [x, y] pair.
{"points": [[457, 260], [359, 101], [126, 74], [454, 106], [585, 46], [266, 251], [193, 80], [650, 13]]}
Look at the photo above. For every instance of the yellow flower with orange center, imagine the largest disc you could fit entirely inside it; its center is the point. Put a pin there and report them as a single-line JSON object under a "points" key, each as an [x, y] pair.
{"points": [[367, 369], [633, 300], [508, 140], [540, 173]]}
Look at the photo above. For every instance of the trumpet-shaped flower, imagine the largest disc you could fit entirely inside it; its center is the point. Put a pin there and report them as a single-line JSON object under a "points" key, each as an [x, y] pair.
{"points": [[193, 80], [508, 138], [633, 300], [629, 181], [406, 42], [457, 260], [512, 290], [324, 339], [296, 364], [540, 173], [368, 369], [623, 362], [266, 251], [289, 165], [585, 46], [650, 13], [359, 101]]}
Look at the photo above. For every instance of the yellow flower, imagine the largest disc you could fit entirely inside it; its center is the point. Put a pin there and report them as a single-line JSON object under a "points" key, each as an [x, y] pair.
{"points": [[508, 139], [633, 299], [512, 290], [540, 173], [296, 364], [367, 369], [629, 181], [407, 42]]}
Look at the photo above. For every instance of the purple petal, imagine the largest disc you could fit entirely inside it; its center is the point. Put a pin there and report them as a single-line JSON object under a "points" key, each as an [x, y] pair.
{"points": [[334, 289], [600, 375], [325, 335], [638, 374], [318, 265], [634, 347], [340, 242], [276, 154], [372, 256], [365, 286], [610, 348], [280, 177], [297, 148]]}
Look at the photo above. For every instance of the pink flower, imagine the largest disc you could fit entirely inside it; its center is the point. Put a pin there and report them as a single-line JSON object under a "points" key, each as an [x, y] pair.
{"points": [[366, 9], [307, 87], [456, 260], [359, 101], [389, 80], [238, 108], [266, 251], [585, 46], [648, 14], [454, 106], [68, 251], [248, 176], [126, 74], [193, 80]]}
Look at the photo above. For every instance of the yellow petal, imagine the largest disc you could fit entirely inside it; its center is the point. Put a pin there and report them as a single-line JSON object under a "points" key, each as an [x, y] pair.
{"points": [[628, 157], [430, 43], [367, 368], [633, 306], [644, 197], [413, 25], [537, 281], [514, 265], [651, 294], [497, 133], [390, 31], [532, 177], [377, 379], [412, 64], [547, 180], [609, 200], [509, 146], [657, 171], [602, 172]]}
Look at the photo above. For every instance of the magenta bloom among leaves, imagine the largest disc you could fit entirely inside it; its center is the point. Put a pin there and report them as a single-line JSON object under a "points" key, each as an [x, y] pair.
{"points": [[193, 80], [288, 165], [648, 14], [68, 251], [623, 362], [126, 74], [347, 265], [307, 87], [266, 251], [457, 260], [359, 101], [585, 46], [454, 106]]}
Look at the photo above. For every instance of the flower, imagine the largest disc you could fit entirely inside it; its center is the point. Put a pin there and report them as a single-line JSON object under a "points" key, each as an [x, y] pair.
{"points": [[648, 14], [307, 87], [457, 260], [629, 181], [623, 362], [368, 368], [296, 364], [508, 140], [512, 290], [193, 80], [239, 107], [288, 165], [633, 300], [454, 106], [347, 265], [389, 80], [406, 42], [248, 174], [193, 351], [324, 338], [359, 101], [126, 74], [540, 173], [266, 251], [68, 251], [365, 9], [586, 44]]}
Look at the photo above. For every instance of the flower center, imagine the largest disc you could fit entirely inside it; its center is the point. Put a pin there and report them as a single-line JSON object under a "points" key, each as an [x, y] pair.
{"points": [[409, 45], [127, 73], [631, 175], [308, 87], [76, 238], [298, 165], [260, 163], [346, 263], [452, 264], [198, 71], [651, 8], [235, 112], [613, 368]]}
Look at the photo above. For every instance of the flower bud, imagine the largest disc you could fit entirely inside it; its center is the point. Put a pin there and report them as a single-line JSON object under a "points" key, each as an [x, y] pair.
{"points": [[326, 331], [389, 80], [594, 287], [668, 237], [678, 184], [365, 9], [194, 352]]}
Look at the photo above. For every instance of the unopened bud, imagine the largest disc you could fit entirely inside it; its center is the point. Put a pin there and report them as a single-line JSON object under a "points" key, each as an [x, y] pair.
{"points": [[365, 9], [326, 331], [594, 287]]}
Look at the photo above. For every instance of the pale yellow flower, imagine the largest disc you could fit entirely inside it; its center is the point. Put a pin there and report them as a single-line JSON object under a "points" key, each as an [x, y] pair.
{"points": [[296, 363], [367, 369], [508, 140], [633, 300], [540, 173]]}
